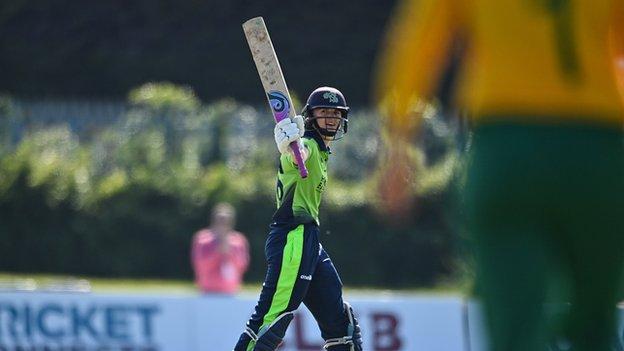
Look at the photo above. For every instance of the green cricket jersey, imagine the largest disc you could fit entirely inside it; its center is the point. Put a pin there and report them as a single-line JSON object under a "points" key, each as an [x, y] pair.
{"points": [[298, 199]]}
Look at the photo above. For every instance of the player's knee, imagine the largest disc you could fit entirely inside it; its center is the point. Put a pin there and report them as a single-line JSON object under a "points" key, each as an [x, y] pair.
{"points": [[352, 341], [271, 337]]}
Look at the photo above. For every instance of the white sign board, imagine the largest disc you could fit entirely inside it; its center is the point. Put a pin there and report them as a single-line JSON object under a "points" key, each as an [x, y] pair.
{"points": [[112, 322], [388, 324], [85, 322]]}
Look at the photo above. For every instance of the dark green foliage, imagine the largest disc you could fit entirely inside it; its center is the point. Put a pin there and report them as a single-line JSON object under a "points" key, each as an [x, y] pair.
{"points": [[126, 201], [105, 48], [369, 251]]}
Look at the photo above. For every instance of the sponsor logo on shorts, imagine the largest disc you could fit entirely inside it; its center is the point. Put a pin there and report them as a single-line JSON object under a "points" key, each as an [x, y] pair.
{"points": [[306, 277]]}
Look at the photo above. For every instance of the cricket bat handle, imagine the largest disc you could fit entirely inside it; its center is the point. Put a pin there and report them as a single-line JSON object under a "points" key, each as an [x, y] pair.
{"points": [[303, 171]]}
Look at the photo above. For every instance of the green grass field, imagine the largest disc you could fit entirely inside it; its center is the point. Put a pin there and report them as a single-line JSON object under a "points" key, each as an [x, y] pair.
{"points": [[100, 284], [170, 286]]}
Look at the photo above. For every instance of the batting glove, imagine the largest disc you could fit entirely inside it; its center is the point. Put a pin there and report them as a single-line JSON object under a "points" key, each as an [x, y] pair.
{"points": [[287, 131]]}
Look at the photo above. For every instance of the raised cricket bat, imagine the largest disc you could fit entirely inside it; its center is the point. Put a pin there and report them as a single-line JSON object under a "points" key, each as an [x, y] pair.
{"points": [[272, 78]]}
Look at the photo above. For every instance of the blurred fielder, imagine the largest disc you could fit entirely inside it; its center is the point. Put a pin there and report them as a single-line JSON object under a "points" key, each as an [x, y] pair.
{"points": [[299, 269], [544, 195]]}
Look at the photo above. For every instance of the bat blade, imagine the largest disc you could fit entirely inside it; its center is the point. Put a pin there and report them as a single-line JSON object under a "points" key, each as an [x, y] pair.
{"points": [[272, 78]]}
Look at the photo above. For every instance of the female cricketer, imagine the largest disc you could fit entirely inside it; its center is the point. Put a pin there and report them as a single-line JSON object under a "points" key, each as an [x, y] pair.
{"points": [[299, 269]]}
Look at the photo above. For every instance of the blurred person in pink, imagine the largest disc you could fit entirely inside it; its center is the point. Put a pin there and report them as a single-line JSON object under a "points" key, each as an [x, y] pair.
{"points": [[219, 254]]}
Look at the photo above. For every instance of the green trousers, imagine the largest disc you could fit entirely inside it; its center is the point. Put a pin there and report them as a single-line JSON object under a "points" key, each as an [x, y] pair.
{"points": [[544, 207]]}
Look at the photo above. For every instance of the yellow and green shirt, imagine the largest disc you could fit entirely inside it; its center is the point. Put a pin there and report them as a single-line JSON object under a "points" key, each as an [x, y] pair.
{"points": [[547, 58]]}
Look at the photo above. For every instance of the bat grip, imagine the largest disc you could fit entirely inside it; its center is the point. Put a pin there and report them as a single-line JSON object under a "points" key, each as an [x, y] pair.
{"points": [[303, 171]]}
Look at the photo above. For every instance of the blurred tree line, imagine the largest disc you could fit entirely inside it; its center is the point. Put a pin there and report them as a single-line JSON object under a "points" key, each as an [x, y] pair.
{"points": [[124, 201], [104, 48]]}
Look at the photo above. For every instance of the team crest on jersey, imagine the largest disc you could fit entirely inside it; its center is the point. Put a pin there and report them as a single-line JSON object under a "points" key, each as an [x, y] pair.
{"points": [[332, 97]]}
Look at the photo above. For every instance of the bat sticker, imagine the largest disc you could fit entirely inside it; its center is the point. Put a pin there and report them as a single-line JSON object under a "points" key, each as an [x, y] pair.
{"points": [[279, 104]]}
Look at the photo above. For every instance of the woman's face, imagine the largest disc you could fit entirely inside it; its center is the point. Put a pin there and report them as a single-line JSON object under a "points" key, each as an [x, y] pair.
{"points": [[328, 118]]}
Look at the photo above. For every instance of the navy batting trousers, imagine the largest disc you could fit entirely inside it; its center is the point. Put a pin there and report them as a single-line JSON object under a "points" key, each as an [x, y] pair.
{"points": [[299, 270]]}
